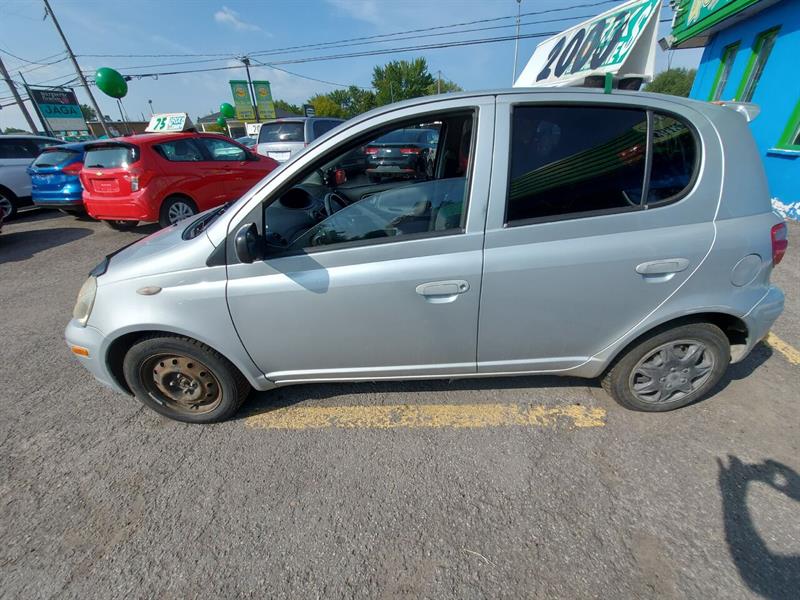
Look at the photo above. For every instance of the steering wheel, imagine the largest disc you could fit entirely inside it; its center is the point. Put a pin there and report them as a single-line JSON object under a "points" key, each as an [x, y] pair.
{"points": [[332, 198]]}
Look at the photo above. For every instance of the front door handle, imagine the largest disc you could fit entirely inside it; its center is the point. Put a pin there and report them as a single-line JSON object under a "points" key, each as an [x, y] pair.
{"points": [[665, 266], [443, 289]]}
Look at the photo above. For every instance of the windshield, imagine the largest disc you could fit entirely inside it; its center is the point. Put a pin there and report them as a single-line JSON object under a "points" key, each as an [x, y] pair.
{"points": [[290, 131], [108, 157], [54, 157]]}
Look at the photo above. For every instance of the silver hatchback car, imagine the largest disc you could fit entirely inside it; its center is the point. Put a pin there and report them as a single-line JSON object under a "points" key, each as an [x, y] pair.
{"points": [[626, 236]]}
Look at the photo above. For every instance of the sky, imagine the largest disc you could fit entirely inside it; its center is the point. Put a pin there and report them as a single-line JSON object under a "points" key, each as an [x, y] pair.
{"points": [[176, 31]]}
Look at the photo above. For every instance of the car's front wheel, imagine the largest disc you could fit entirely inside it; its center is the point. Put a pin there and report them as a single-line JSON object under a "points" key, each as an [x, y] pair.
{"points": [[669, 369], [184, 379]]}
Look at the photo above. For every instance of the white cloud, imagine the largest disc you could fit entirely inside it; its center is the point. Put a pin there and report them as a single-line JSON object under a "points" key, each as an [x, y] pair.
{"points": [[228, 16], [363, 10]]}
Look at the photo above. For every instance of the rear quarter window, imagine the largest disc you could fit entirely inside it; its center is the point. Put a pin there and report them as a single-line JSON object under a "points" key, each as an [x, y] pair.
{"points": [[675, 159]]}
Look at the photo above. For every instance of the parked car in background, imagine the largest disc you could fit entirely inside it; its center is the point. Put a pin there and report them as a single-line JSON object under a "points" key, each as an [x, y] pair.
{"points": [[55, 180], [625, 236], [166, 177], [17, 152], [404, 153], [248, 141], [283, 138]]}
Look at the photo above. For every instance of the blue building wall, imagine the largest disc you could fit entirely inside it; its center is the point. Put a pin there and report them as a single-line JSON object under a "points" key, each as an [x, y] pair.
{"points": [[777, 93]]}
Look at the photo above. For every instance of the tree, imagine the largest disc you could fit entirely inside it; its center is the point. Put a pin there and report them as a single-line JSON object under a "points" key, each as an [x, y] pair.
{"points": [[401, 80], [89, 114], [677, 82], [290, 108], [443, 87], [325, 106], [10, 130]]}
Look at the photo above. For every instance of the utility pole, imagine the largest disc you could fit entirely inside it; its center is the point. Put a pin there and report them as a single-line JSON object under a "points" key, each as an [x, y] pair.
{"points": [[439, 82], [17, 97], [39, 114], [246, 61], [49, 11], [516, 42]]}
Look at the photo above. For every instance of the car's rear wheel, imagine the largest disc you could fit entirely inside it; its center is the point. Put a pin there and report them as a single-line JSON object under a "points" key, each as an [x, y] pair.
{"points": [[121, 225], [8, 204], [176, 209], [669, 369], [184, 379]]}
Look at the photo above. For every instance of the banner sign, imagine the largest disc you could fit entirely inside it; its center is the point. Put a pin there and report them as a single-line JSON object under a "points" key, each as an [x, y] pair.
{"points": [[619, 41], [308, 110], [242, 101], [169, 123], [266, 107], [60, 109]]}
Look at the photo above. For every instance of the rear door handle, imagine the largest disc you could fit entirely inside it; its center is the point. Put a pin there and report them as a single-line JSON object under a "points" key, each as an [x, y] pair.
{"points": [[665, 266], [442, 289]]}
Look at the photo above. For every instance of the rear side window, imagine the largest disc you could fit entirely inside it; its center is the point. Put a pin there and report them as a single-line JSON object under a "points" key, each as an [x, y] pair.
{"points": [[567, 160], [15, 149], [674, 158], [579, 161], [180, 151], [54, 158], [323, 127], [109, 157], [282, 132], [222, 150]]}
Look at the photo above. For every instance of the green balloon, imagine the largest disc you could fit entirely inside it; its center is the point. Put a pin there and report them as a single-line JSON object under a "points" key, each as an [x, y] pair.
{"points": [[222, 122], [227, 110], [111, 82]]}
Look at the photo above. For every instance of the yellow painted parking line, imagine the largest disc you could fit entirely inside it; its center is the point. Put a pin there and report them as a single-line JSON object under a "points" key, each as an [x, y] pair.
{"points": [[457, 416], [791, 353]]}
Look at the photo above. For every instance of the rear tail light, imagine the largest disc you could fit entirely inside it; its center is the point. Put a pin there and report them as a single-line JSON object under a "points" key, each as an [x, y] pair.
{"points": [[134, 183], [409, 150], [73, 169], [134, 177], [780, 242], [370, 150]]}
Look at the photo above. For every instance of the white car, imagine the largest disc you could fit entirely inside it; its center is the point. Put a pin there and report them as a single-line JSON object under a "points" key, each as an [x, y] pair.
{"points": [[17, 152]]}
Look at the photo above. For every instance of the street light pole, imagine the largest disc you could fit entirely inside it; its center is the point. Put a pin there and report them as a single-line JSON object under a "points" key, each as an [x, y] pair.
{"points": [[49, 11], [246, 61], [150, 102], [516, 42]]}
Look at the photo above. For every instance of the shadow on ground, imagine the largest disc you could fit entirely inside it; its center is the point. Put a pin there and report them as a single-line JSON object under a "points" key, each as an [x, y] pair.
{"points": [[772, 575], [22, 245], [260, 402]]}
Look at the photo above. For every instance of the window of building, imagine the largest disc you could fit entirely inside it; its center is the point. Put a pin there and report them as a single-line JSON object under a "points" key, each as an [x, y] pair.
{"points": [[790, 140], [724, 71], [569, 160], [755, 67]]}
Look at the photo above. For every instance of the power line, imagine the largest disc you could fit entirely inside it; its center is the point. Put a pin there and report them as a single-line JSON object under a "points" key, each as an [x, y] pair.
{"points": [[341, 85]]}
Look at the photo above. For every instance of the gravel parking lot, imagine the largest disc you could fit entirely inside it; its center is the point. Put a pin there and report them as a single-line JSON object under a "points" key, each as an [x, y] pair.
{"points": [[571, 497]]}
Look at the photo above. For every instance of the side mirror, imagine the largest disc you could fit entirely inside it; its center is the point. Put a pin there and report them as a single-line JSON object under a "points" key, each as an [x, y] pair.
{"points": [[248, 243]]}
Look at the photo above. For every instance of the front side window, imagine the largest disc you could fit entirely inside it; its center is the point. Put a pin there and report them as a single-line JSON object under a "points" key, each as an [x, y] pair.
{"points": [[183, 150], [724, 71], [222, 150], [394, 183], [567, 160], [758, 61]]}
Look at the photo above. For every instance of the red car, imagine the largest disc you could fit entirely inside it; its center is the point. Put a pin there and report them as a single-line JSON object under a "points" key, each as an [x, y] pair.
{"points": [[166, 177]]}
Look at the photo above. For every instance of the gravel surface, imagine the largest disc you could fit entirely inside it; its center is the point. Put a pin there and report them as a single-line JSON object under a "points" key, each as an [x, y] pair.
{"points": [[101, 498]]}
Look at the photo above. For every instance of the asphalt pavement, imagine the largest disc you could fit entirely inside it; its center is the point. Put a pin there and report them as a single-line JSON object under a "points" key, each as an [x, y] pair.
{"points": [[490, 488]]}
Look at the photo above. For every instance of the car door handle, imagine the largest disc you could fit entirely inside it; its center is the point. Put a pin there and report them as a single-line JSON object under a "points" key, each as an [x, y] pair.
{"points": [[665, 266], [443, 289]]}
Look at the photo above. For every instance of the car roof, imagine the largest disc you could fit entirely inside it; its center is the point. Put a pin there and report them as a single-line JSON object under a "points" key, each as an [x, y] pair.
{"points": [[70, 146], [300, 119], [154, 138]]}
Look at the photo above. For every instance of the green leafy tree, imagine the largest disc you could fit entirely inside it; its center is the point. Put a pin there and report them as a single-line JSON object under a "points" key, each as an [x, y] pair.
{"points": [[677, 82], [443, 87], [402, 79], [89, 114], [325, 106], [10, 130], [290, 108]]}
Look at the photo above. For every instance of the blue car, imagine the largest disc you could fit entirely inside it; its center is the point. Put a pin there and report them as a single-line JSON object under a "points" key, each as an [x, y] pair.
{"points": [[54, 178]]}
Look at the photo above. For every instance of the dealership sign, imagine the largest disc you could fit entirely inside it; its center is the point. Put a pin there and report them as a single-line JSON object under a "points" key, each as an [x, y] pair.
{"points": [[242, 101], [60, 109], [169, 123], [266, 107], [620, 41]]}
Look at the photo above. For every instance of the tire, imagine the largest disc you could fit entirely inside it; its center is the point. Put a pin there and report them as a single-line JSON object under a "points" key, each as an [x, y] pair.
{"points": [[121, 225], [8, 204], [176, 209], [184, 380], [697, 355]]}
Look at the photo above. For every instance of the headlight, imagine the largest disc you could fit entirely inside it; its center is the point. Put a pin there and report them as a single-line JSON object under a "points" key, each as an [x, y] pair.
{"points": [[83, 306]]}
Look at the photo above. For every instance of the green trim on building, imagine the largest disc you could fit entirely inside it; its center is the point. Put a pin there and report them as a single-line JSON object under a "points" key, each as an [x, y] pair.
{"points": [[790, 138], [761, 39], [693, 17], [725, 66]]}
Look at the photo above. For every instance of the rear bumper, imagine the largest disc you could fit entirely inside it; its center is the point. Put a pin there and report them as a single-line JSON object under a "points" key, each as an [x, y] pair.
{"points": [[761, 317], [135, 207], [91, 339]]}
